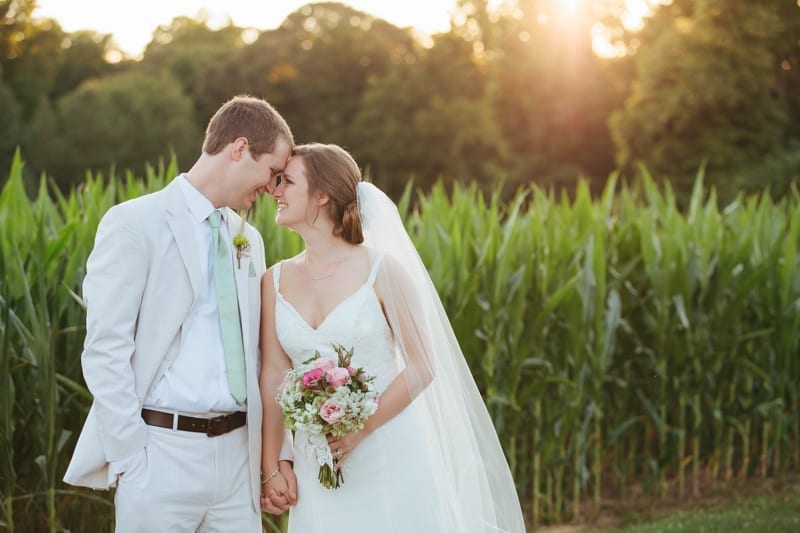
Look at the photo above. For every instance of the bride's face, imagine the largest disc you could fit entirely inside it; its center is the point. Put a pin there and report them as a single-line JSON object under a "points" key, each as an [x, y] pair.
{"points": [[294, 201]]}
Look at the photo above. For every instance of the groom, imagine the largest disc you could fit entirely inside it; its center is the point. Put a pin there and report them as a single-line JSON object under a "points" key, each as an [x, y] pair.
{"points": [[172, 294]]}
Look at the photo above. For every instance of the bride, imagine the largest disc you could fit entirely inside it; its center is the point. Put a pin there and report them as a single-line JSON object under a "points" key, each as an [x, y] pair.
{"points": [[428, 460]]}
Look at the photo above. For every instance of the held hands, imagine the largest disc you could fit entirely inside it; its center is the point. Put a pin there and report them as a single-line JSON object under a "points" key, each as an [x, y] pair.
{"points": [[344, 446], [280, 490]]}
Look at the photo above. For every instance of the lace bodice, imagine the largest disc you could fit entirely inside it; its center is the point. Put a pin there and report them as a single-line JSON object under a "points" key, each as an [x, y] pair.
{"points": [[356, 322]]}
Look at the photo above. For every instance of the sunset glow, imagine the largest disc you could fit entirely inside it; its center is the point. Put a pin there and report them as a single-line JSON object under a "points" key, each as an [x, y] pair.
{"points": [[570, 8], [133, 31]]}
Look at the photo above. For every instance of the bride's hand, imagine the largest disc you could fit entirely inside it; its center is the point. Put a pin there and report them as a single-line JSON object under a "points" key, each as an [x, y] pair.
{"points": [[342, 447], [275, 495]]}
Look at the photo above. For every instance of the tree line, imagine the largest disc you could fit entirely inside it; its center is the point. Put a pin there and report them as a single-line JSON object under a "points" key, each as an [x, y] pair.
{"points": [[513, 94]]}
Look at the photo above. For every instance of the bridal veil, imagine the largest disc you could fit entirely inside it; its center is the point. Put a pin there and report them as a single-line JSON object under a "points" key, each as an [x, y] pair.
{"points": [[470, 472]]}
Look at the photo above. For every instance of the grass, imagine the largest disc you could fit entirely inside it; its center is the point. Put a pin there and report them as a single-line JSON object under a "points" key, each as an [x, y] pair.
{"points": [[771, 505], [776, 513]]}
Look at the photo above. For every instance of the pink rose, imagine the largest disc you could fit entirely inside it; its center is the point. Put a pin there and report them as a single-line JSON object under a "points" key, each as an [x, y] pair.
{"points": [[311, 378], [337, 377], [330, 412], [324, 364], [351, 370]]}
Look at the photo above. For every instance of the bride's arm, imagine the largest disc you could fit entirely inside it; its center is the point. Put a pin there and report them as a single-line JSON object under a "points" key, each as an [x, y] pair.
{"points": [[404, 314], [274, 364]]}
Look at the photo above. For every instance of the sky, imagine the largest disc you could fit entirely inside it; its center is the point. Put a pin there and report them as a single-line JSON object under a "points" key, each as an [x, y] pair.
{"points": [[133, 25]]}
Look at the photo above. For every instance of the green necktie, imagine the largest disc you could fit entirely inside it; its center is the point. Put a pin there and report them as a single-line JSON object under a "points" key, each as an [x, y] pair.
{"points": [[228, 311]]}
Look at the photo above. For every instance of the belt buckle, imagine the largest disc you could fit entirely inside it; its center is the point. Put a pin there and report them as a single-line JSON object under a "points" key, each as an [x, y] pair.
{"points": [[217, 426]]}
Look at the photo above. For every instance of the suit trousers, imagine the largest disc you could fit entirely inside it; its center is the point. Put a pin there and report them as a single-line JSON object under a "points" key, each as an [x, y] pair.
{"points": [[188, 482]]}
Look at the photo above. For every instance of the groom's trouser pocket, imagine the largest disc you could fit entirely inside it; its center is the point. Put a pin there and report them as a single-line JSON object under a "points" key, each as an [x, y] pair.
{"points": [[137, 473], [186, 476]]}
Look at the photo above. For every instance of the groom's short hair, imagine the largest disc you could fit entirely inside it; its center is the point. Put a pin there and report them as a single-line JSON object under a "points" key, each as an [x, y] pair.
{"points": [[249, 117]]}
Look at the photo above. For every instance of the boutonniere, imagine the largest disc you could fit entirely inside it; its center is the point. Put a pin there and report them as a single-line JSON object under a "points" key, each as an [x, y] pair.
{"points": [[241, 243]]}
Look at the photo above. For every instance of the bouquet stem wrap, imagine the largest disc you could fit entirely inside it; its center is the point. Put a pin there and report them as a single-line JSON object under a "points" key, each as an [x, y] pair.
{"points": [[328, 477]]}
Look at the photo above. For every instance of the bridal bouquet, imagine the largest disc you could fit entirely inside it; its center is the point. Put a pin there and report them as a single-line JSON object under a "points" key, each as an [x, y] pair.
{"points": [[327, 397]]}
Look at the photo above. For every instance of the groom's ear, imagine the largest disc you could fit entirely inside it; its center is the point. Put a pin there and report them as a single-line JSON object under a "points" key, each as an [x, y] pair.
{"points": [[238, 148]]}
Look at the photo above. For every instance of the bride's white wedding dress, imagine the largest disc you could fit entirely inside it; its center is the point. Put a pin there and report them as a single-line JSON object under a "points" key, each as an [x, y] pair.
{"points": [[388, 483]]}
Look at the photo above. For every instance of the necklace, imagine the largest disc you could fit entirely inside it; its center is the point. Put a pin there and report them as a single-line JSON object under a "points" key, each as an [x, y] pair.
{"points": [[326, 276]]}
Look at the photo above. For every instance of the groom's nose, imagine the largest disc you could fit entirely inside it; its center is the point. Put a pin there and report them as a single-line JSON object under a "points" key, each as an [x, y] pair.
{"points": [[273, 183]]}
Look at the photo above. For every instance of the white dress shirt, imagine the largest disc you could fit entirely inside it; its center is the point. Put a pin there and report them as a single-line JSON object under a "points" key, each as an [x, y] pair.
{"points": [[196, 382]]}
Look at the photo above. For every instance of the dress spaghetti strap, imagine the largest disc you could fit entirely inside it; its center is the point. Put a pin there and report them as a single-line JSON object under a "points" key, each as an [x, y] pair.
{"points": [[276, 275], [373, 273]]}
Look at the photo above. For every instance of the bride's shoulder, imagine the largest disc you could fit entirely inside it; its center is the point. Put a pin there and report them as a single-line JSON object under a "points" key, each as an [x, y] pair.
{"points": [[390, 272], [374, 260], [376, 255], [280, 267], [289, 263], [388, 263]]}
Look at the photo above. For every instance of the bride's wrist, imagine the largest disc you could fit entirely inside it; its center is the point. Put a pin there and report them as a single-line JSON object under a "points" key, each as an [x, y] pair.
{"points": [[268, 474], [366, 430]]}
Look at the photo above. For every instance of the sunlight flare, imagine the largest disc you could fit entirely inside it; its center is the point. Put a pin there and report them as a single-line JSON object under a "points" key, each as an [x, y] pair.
{"points": [[569, 7]]}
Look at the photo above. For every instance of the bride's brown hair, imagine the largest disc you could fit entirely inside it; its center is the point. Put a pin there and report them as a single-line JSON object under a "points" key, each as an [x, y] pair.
{"points": [[332, 171]]}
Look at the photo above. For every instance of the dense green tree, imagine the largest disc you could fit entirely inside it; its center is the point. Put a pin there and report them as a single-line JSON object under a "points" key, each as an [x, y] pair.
{"points": [[10, 132], [786, 45], [186, 49], [551, 95], [83, 57], [31, 66], [514, 92], [430, 118], [314, 68], [16, 23], [39, 63], [707, 89], [37, 58], [124, 121], [41, 143]]}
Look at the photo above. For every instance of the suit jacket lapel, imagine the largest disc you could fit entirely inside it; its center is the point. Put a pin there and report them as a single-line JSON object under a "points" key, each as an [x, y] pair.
{"points": [[180, 223]]}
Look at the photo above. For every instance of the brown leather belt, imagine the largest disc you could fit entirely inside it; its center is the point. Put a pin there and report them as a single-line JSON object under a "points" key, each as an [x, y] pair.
{"points": [[210, 426]]}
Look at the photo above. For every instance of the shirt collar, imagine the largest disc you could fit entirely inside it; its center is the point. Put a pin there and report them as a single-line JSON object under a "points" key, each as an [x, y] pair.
{"points": [[199, 206]]}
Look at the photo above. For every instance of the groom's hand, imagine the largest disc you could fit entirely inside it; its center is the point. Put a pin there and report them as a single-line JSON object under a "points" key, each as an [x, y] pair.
{"points": [[286, 470]]}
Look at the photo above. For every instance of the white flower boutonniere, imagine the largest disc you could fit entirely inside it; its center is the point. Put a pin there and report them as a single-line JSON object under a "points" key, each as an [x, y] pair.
{"points": [[242, 244]]}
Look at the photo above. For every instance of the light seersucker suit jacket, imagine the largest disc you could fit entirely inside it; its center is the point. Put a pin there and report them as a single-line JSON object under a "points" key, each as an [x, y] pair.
{"points": [[141, 284]]}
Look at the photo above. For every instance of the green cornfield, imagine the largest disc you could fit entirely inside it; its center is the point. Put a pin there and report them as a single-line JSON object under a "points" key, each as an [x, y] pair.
{"points": [[622, 345]]}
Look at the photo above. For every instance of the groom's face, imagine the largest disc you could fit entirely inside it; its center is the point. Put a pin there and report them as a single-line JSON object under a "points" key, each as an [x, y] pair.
{"points": [[255, 177]]}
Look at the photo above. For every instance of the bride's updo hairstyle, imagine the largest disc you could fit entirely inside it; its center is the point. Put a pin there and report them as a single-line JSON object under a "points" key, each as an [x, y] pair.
{"points": [[331, 171]]}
